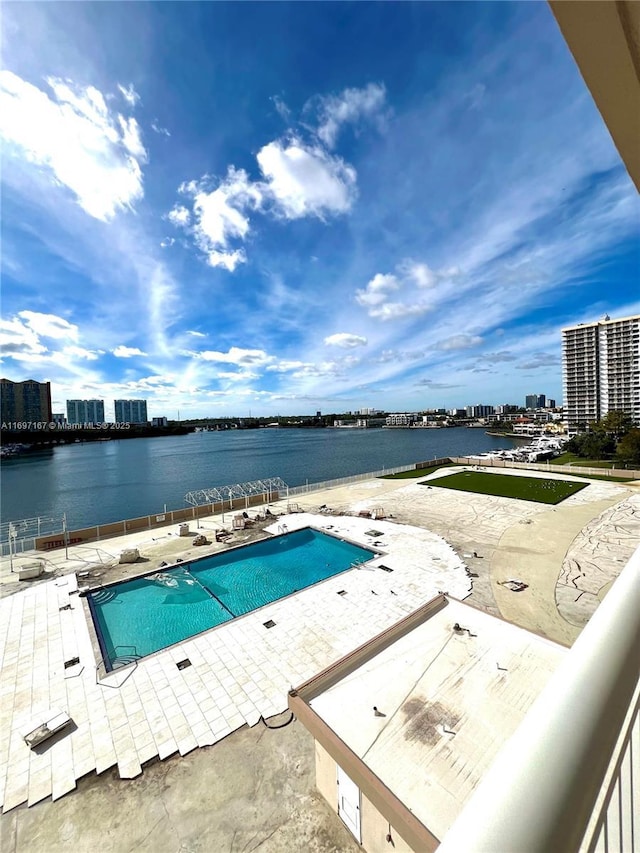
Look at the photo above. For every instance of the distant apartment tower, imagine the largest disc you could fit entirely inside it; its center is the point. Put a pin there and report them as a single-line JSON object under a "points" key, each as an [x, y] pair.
{"points": [[535, 401], [601, 371], [85, 411], [160, 422], [59, 418], [479, 411], [130, 411], [25, 402]]}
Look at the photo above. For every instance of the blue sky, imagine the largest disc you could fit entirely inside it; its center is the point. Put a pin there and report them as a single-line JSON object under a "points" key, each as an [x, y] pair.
{"points": [[279, 208]]}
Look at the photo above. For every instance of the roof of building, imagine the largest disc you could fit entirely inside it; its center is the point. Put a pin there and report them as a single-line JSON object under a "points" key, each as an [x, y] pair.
{"points": [[446, 700], [608, 321]]}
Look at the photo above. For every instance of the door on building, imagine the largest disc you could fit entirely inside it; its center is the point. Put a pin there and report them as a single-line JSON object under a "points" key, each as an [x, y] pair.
{"points": [[349, 803]]}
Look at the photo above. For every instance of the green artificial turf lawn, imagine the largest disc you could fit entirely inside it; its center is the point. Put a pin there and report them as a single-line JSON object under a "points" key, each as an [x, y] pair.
{"points": [[508, 486]]}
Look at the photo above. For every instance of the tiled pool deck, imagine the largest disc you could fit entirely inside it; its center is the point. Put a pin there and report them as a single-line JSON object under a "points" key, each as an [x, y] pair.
{"points": [[240, 671]]}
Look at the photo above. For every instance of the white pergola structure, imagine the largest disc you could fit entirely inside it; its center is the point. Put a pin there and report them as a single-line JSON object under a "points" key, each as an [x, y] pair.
{"points": [[270, 488]]}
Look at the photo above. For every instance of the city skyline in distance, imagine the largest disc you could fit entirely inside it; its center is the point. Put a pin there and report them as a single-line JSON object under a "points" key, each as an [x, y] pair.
{"points": [[238, 226]]}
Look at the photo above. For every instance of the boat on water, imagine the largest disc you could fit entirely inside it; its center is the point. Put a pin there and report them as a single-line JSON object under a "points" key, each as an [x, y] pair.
{"points": [[9, 450], [539, 450]]}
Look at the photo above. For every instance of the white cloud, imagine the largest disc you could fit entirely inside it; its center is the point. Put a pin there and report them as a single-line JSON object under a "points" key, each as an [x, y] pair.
{"points": [[17, 339], [131, 138], [81, 352], [348, 107], [228, 260], [456, 342], [397, 310], [129, 94], [74, 136], [308, 369], [306, 181], [421, 274], [236, 355], [219, 216], [375, 294], [196, 334], [159, 129], [297, 180], [179, 216], [539, 360], [377, 289], [148, 383], [497, 357], [21, 339], [398, 356], [325, 368], [411, 277], [285, 366], [345, 340], [430, 383], [49, 325], [127, 352], [166, 242], [237, 376], [282, 109]]}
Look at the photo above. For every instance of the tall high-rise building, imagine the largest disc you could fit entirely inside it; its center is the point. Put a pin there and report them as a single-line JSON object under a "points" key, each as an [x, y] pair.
{"points": [[85, 411], [130, 411], [601, 371], [25, 402], [535, 401]]}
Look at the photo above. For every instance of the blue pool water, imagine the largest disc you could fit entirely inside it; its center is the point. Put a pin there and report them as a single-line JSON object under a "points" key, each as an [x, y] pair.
{"points": [[138, 617]]}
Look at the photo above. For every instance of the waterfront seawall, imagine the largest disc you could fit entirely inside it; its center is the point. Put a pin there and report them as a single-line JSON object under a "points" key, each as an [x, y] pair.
{"points": [[148, 522]]}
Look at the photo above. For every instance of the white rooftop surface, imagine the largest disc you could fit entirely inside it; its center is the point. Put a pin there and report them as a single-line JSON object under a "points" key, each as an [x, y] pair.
{"points": [[239, 671], [450, 701]]}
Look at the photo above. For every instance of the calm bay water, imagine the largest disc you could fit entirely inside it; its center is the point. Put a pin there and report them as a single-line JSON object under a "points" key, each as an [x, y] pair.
{"points": [[105, 481]]}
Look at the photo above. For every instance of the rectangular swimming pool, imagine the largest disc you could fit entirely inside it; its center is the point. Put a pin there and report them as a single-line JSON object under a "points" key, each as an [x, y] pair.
{"points": [[137, 617]]}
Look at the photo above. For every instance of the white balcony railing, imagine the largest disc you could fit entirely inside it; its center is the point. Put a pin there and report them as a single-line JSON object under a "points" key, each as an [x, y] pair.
{"points": [[569, 778]]}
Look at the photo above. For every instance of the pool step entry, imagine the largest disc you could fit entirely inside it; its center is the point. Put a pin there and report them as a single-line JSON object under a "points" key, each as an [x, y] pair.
{"points": [[102, 596], [124, 655]]}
